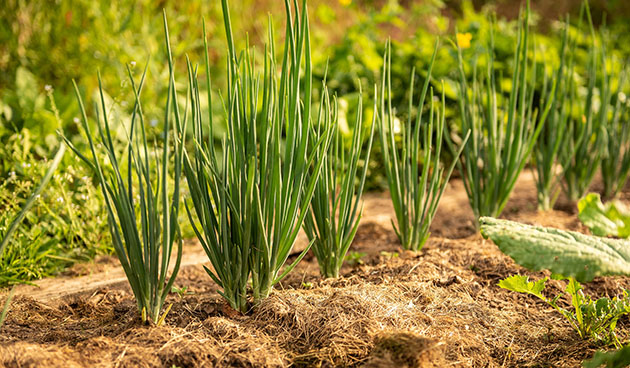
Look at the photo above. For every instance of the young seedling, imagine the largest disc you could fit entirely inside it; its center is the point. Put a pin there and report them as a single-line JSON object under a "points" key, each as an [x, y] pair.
{"points": [[415, 192], [5, 308], [354, 258], [334, 211], [144, 224], [251, 202], [503, 131], [594, 319]]}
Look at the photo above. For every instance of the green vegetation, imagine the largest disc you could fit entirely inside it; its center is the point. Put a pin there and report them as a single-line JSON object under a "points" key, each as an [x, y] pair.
{"points": [[415, 193], [334, 213], [567, 253], [584, 147], [6, 237], [144, 251], [503, 131], [5, 308], [69, 228], [252, 203], [591, 319], [553, 138], [615, 163], [32, 199], [612, 359], [575, 256], [611, 219], [507, 94], [64, 225]]}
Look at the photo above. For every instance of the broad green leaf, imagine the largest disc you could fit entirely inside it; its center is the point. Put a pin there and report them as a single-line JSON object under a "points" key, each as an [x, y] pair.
{"points": [[521, 284], [612, 218], [568, 253]]}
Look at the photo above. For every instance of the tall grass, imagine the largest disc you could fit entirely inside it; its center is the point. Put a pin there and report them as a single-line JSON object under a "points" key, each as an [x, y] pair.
{"points": [[334, 211], [415, 193], [251, 202], [503, 130], [143, 224]]}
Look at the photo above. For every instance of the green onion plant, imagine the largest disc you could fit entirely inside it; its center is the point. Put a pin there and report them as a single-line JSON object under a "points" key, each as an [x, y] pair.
{"points": [[334, 211], [142, 210], [615, 162], [251, 201], [585, 144], [553, 137], [415, 192], [582, 131], [503, 130]]}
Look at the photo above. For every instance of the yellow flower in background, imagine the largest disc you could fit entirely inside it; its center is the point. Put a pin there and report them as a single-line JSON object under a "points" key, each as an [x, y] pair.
{"points": [[345, 2], [463, 40]]}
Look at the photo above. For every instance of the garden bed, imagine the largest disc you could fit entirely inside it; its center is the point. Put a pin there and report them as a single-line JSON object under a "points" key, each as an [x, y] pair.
{"points": [[439, 307]]}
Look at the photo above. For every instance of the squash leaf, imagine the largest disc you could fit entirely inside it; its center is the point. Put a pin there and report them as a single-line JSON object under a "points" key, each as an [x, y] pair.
{"points": [[568, 253], [521, 284], [612, 218]]}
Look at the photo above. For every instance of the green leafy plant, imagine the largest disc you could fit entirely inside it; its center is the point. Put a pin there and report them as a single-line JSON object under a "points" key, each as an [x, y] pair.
{"points": [[334, 211], [576, 256], [24, 108], [144, 225], [594, 319], [610, 219], [32, 199], [566, 253], [612, 359], [354, 258], [181, 292], [6, 237], [64, 225], [415, 192], [503, 131], [252, 202]]}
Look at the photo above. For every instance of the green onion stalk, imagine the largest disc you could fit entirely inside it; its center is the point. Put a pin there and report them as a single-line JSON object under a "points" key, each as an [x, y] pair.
{"points": [[250, 201], [503, 130], [142, 209]]}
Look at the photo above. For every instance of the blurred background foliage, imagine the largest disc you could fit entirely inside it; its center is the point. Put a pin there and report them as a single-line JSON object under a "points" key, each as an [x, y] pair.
{"points": [[44, 44]]}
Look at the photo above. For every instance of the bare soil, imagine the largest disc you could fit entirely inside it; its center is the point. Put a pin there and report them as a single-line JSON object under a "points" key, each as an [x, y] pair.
{"points": [[440, 307]]}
